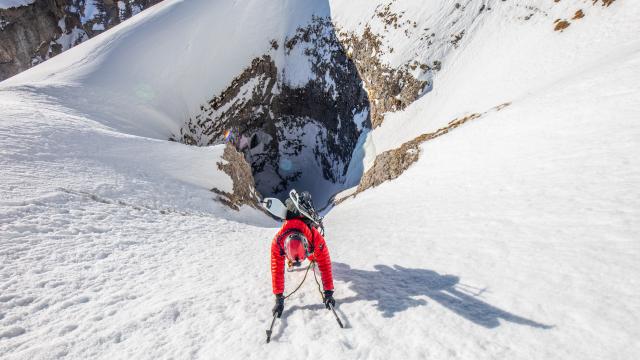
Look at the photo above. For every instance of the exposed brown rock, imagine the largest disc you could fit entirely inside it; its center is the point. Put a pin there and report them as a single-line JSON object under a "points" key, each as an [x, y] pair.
{"points": [[244, 191], [578, 15], [388, 89], [604, 2], [391, 164], [561, 25]]}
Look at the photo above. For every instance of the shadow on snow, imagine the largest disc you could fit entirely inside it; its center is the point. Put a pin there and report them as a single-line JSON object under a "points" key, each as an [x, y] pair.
{"points": [[394, 288]]}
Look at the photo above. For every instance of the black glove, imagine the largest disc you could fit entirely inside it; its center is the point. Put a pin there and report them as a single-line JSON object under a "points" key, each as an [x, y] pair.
{"points": [[279, 306], [328, 299]]}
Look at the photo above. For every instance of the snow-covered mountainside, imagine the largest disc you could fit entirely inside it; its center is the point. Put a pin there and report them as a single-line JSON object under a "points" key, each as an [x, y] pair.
{"points": [[32, 31], [292, 97], [485, 153]]}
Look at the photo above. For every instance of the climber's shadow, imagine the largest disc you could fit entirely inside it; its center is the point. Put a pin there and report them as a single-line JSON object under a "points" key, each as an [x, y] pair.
{"points": [[393, 289]]}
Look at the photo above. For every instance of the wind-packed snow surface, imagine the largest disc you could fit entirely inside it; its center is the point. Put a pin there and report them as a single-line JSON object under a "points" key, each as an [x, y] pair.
{"points": [[513, 237]]}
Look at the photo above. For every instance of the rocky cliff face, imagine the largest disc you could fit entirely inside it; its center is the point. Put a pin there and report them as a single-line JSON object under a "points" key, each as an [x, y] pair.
{"points": [[26, 33], [301, 114], [389, 89], [298, 111], [244, 192], [35, 32]]}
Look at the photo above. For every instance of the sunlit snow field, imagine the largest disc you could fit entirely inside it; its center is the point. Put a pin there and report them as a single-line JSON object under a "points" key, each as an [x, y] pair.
{"points": [[513, 237]]}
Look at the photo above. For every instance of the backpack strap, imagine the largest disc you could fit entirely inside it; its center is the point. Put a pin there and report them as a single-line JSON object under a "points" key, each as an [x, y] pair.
{"points": [[312, 245]]}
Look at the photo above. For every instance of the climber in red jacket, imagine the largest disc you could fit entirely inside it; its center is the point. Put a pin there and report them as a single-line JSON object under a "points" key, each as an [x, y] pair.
{"points": [[297, 240]]}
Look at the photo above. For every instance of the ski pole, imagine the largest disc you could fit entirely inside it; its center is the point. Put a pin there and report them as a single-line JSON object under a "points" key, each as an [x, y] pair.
{"points": [[336, 315], [271, 328]]}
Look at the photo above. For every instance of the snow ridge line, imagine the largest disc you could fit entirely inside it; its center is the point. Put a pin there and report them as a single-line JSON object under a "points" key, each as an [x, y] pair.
{"points": [[392, 163], [103, 200]]}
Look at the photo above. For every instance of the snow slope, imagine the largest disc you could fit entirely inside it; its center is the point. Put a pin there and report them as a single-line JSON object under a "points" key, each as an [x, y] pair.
{"points": [[537, 205], [513, 237], [159, 67], [147, 76], [501, 58]]}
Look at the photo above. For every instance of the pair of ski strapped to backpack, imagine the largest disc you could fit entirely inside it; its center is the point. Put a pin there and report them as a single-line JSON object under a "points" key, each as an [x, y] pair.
{"points": [[297, 205], [302, 205]]}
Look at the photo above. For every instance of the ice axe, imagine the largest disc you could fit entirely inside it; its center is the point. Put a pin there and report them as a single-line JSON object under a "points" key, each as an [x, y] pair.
{"points": [[336, 315], [271, 328]]}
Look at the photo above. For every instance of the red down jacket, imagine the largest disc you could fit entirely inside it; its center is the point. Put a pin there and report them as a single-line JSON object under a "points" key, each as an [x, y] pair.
{"points": [[320, 254]]}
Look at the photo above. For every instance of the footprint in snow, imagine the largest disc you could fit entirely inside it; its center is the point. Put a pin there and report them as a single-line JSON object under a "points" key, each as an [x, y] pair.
{"points": [[67, 329], [76, 301], [11, 332], [6, 298], [25, 301]]}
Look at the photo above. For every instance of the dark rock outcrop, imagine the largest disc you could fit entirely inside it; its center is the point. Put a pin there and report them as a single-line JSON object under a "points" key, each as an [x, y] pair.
{"points": [[33, 33], [26, 34], [287, 126], [290, 122], [389, 89]]}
